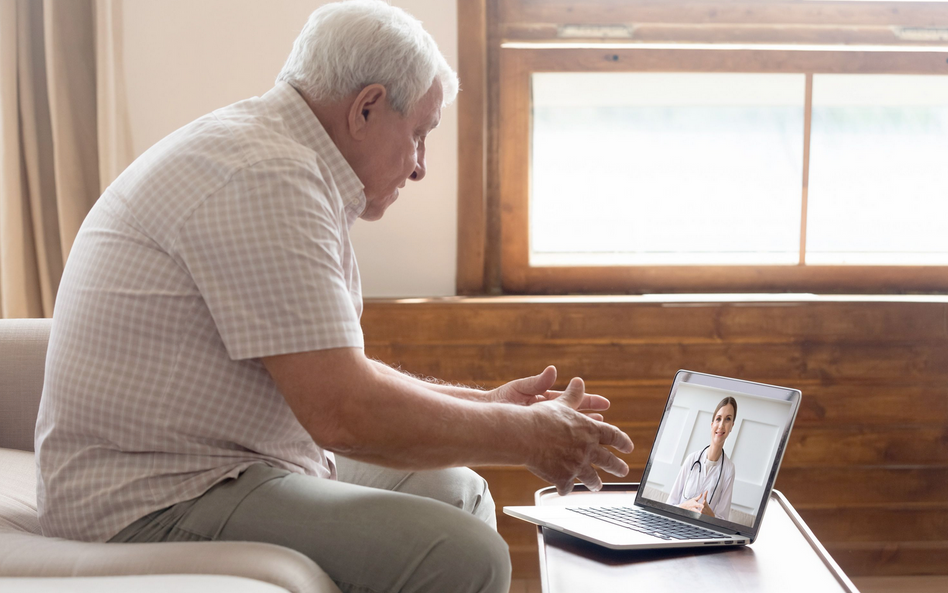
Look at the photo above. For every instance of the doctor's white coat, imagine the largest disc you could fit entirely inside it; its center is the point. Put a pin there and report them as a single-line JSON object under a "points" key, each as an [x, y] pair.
{"points": [[691, 482]]}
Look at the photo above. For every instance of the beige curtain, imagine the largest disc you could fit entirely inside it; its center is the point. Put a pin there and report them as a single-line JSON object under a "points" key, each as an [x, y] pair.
{"points": [[62, 137]]}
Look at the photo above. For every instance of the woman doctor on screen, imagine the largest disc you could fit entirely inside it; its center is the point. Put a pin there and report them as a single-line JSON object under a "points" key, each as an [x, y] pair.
{"points": [[706, 480]]}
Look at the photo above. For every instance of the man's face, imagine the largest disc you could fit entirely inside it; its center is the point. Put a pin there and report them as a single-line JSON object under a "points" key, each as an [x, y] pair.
{"points": [[394, 150]]}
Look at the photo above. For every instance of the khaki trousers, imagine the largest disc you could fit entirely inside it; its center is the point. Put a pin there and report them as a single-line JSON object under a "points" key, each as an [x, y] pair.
{"points": [[374, 530]]}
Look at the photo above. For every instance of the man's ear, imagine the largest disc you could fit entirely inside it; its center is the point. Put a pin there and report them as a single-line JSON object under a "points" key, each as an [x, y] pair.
{"points": [[367, 102]]}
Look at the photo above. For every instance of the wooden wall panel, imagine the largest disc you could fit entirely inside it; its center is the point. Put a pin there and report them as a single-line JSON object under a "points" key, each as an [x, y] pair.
{"points": [[633, 320], [867, 462], [805, 486], [472, 145], [709, 12], [829, 362], [892, 402]]}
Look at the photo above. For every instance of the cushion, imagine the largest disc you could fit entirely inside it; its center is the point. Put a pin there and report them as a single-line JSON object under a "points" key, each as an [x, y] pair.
{"points": [[18, 492], [179, 583]]}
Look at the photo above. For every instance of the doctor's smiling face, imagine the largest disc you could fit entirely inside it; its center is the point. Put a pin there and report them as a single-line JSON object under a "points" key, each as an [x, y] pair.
{"points": [[722, 423]]}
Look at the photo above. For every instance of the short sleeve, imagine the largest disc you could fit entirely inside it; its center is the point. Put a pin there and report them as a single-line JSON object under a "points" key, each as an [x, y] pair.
{"points": [[266, 252]]}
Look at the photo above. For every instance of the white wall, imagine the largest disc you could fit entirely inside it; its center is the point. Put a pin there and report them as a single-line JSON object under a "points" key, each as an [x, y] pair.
{"points": [[184, 58]]}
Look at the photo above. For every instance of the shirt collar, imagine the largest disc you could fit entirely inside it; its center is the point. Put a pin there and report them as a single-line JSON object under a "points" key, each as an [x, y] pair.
{"points": [[707, 462], [303, 126]]}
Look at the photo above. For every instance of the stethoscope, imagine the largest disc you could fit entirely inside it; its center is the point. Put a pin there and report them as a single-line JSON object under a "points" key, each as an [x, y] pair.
{"points": [[698, 463]]}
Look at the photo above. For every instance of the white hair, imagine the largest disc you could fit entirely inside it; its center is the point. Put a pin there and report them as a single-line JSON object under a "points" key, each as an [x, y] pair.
{"points": [[346, 46]]}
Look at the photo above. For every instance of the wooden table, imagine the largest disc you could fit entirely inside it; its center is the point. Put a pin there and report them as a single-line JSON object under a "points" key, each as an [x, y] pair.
{"points": [[785, 557]]}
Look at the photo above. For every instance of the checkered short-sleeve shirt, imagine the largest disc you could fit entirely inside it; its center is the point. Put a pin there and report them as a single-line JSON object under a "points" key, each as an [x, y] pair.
{"points": [[226, 242]]}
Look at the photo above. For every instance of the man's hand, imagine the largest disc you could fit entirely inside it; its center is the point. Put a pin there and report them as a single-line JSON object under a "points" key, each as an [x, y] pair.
{"points": [[535, 389], [567, 444]]}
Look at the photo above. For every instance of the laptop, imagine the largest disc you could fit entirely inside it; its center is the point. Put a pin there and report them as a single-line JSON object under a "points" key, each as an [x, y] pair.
{"points": [[682, 476]]}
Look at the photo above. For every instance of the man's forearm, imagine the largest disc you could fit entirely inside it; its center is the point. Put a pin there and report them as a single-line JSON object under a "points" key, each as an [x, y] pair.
{"points": [[459, 391], [353, 406], [396, 420]]}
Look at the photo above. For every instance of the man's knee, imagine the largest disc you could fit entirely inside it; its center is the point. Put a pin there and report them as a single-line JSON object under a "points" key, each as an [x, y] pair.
{"points": [[474, 496], [460, 487], [492, 564], [472, 557]]}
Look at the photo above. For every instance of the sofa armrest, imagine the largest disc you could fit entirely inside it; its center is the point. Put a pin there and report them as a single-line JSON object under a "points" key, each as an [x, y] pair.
{"points": [[30, 555], [150, 583], [22, 363]]}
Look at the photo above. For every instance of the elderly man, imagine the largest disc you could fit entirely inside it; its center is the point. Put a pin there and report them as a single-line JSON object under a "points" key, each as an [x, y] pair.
{"points": [[206, 358]]}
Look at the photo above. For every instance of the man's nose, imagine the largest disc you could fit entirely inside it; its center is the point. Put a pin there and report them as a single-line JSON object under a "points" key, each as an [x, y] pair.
{"points": [[419, 173]]}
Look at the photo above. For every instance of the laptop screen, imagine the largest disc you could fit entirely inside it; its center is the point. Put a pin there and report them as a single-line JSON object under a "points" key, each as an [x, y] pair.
{"points": [[717, 450]]}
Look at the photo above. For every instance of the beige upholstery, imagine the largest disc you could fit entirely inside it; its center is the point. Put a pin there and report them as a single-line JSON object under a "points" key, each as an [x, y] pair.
{"points": [[139, 584], [22, 362], [17, 493], [25, 553]]}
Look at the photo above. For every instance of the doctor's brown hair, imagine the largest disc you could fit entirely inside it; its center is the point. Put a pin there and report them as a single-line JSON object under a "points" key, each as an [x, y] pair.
{"points": [[724, 402]]}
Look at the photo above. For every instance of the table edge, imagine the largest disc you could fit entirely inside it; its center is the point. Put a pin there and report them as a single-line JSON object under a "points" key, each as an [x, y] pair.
{"points": [[824, 556]]}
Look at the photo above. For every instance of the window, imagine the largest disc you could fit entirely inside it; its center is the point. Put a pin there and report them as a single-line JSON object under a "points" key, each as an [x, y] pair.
{"points": [[878, 187], [785, 146], [655, 168]]}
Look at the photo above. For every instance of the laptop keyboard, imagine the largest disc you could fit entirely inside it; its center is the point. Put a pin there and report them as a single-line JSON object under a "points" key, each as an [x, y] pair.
{"points": [[648, 523]]}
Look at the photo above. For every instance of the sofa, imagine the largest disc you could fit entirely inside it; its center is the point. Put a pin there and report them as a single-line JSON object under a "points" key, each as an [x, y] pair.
{"points": [[30, 562]]}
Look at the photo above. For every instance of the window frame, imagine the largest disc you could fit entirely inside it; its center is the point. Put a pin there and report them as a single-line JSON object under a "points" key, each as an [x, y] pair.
{"points": [[510, 50]]}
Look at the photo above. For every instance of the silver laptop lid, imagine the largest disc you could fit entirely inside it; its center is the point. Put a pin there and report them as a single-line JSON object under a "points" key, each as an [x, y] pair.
{"points": [[738, 483]]}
